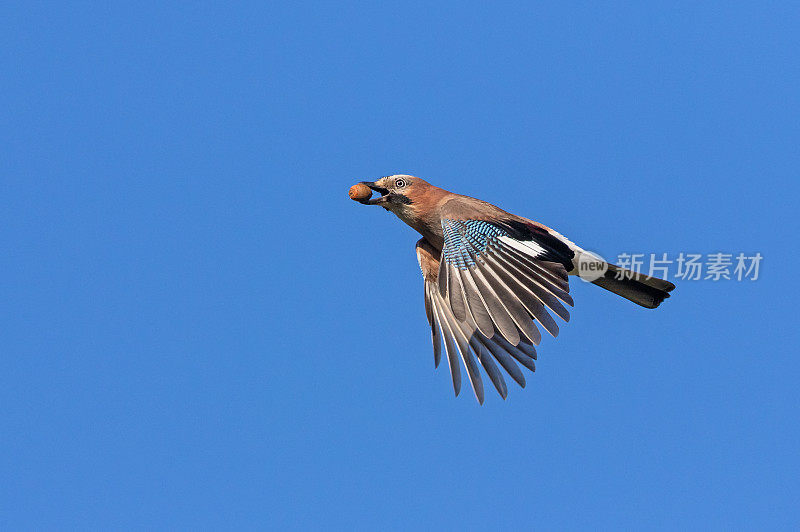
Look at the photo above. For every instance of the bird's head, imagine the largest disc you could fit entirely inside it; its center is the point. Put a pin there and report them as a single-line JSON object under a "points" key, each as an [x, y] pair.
{"points": [[397, 191]]}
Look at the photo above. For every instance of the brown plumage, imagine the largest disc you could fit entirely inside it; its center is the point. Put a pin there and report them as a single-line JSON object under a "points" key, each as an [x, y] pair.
{"points": [[491, 276]]}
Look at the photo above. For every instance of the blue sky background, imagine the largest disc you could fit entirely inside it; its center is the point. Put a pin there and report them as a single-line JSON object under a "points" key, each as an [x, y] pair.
{"points": [[199, 328]]}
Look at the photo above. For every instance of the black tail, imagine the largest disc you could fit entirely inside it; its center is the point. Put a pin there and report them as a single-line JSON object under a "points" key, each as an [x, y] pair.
{"points": [[643, 290]]}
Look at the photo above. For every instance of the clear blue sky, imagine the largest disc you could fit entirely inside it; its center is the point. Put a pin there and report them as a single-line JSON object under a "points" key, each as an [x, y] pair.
{"points": [[199, 328]]}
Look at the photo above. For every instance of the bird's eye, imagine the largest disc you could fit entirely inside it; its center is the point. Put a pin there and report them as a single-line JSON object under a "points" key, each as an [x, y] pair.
{"points": [[400, 183]]}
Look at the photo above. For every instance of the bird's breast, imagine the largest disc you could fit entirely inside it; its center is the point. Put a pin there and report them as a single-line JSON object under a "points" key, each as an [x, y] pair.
{"points": [[428, 226]]}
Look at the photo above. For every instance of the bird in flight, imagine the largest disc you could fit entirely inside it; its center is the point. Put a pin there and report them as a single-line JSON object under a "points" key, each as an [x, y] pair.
{"points": [[493, 278]]}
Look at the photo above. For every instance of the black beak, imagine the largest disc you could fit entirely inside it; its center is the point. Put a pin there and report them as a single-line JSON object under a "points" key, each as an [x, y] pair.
{"points": [[384, 193]]}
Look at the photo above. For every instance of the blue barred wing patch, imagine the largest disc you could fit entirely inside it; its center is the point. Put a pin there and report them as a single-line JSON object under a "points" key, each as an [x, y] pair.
{"points": [[467, 240]]}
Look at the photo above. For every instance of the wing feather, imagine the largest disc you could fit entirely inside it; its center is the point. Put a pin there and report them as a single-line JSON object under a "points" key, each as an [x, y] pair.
{"points": [[491, 369], [501, 318], [435, 339], [462, 345], [486, 289], [455, 294], [518, 352], [505, 282], [527, 297], [473, 343], [452, 356], [510, 300], [504, 358], [533, 273], [478, 310], [554, 272]]}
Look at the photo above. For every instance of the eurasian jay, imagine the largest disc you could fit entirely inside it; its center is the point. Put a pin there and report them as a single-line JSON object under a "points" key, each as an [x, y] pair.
{"points": [[490, 276]]}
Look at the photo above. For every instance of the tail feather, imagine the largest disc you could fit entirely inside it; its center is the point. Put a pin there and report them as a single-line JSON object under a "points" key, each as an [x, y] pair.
{"points": [[643, 290]]}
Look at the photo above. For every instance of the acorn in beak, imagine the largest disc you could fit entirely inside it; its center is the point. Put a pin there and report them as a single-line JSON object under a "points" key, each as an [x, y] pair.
{"points": [[384, 193], [362, 192]]}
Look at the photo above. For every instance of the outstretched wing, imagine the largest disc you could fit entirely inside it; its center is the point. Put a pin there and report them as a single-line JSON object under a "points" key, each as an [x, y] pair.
{"points": [[505, 276], [483, 293]]}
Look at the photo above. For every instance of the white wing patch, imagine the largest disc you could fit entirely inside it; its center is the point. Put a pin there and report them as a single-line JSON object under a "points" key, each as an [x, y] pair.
{"points": [[528, 247]]}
